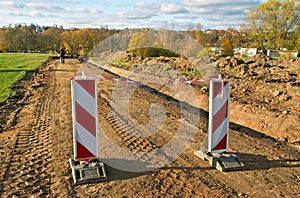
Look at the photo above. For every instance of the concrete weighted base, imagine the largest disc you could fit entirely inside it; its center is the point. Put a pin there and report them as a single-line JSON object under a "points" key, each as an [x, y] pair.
{"points": [[221, 161], [87, 172]]}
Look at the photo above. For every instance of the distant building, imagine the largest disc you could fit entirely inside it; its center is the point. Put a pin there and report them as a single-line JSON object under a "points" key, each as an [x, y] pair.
{"points": [[273, 53], [248, 52]]}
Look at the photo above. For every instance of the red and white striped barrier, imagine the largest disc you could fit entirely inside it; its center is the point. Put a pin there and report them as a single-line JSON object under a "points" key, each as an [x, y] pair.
{"points": [[85, 118], [125, 80], [218, 125]]}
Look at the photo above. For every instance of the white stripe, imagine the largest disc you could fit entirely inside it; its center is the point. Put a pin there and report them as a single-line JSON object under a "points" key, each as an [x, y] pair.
{"points": [[85, 99], [87, 140], [219, 101], [220, 132]]}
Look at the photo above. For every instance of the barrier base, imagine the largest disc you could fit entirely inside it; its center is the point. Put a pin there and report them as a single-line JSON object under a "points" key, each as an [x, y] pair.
{"points": [[221, 161], [87, 172]]}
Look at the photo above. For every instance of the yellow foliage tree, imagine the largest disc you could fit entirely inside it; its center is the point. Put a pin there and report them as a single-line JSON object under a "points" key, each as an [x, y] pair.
{"points": [[138, 44], [3, 42], [227, 48]]}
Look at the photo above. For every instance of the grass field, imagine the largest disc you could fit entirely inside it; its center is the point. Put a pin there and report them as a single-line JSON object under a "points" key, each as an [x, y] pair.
{"points": [[13, 66]]}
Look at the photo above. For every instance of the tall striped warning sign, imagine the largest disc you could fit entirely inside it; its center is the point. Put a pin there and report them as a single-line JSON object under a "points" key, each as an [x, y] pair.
{"points": [[218, 128], [218, 115], [86, 165], [85, 119]]}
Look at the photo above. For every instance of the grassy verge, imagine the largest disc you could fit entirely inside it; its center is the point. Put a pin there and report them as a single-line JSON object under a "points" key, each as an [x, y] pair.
{"points": [[13, 66]]}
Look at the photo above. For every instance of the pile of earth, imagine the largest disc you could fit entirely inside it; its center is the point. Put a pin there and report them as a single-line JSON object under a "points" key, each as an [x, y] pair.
{"points": [[192, 68], [260, 84], [264, 82], [260, 68]]}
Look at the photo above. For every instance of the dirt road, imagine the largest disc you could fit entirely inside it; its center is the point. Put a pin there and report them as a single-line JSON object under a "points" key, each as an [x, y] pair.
{"points": [[35, 149]]}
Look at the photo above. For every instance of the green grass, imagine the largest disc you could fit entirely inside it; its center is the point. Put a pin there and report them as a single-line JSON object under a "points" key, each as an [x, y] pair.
{"points": [[122, 63], [13, 66], [194, 72]]}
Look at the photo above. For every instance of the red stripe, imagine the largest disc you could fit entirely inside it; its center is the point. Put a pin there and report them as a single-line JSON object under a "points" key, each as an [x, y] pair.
{"points": [[85, 119], [222, 144], [83, 152], [220, 116], [88, 85], [218, 87]]}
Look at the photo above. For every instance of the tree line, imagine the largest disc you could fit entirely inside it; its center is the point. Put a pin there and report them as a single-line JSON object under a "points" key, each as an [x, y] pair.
{"points": [[33, 38], [273, 25]]}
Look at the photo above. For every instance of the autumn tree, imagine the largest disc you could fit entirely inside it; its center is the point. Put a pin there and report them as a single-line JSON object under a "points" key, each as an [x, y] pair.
{"points": [[271, 22], [21, 37], [49, 40], [138, 44], [3, 42], [296, 38], [198, 35], [227, 48]]}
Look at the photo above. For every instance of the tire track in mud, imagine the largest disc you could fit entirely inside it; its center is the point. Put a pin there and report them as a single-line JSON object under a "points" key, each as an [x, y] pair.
{"points": [[127, 137], [28, 170]]}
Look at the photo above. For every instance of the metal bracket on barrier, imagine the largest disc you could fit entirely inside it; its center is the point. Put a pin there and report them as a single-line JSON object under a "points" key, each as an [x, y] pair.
{"points": [[87, 172], [221, 161]]}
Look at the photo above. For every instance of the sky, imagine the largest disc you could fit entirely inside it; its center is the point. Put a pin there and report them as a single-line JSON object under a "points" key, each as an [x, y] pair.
{"points": [[117, 14]]}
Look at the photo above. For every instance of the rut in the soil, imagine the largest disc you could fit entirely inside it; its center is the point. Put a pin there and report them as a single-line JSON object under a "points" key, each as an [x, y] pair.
{"points": [[127, 136], [12, 106], [27, 172]]}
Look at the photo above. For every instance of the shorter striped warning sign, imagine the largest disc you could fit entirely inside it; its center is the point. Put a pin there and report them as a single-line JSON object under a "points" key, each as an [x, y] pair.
{"points": [[85, 119], [218, 115]]}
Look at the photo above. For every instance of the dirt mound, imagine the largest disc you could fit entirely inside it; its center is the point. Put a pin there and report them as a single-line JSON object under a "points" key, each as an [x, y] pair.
{"points": [[259, 83], [260, 68], [266, 85]]}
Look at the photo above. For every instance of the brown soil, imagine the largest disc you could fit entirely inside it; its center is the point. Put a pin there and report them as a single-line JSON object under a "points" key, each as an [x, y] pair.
{"points": [[36, 144]]}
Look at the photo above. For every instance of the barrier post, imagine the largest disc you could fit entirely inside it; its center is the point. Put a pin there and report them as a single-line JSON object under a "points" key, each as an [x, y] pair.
{"points": [[218, 124], [218, 128], [86, 165]]}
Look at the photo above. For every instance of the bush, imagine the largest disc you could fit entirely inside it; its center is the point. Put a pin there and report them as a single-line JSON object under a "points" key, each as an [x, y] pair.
{"points": [[153, 52], [203, 52]]}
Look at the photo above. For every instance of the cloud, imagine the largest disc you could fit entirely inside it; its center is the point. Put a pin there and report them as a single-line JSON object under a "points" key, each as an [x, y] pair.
{"points": [[6, 3], [217, 4], [133, 15], [16, 13], [208, 2], [172, 8], [210, 13], [11, 4], [36, 5], [94, 11], [36, 13], [150, 6], [81, 10]]}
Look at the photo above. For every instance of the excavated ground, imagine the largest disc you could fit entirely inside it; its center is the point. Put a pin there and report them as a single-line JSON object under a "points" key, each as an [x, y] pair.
{"points": [[36, 141]]}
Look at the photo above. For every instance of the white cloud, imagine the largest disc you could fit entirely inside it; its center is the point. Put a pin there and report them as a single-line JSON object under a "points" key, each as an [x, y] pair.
{"points": [[210, 13], [11, 4], [6, 3], [81, 10], [133, 15], [172, 8], [16, 13], [36, 5], [148, 6], [208, 2], [35, 13], [95, 11]]}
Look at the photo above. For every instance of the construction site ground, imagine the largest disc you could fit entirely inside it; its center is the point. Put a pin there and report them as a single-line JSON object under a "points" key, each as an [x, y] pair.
{"points": [[36, 141]]}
